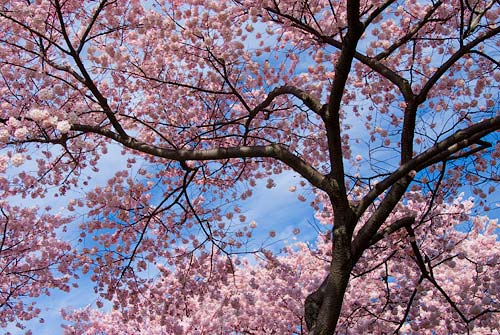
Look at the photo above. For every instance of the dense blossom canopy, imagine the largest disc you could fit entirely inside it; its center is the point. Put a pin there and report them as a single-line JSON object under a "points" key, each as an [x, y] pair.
{"points": [[384, 111], [268, 297]]}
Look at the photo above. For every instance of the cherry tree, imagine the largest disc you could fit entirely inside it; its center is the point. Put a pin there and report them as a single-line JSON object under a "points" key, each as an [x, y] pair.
{"points": [[368, 102]]}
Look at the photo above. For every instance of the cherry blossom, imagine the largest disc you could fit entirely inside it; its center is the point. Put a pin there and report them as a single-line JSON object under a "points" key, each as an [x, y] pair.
{"points": [[33, 260], [268, 296], [63, 126], [17, 159], [381, 112]]}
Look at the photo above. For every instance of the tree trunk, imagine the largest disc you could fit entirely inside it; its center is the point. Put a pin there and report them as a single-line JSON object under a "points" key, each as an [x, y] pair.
{"points": [[323, 307]]}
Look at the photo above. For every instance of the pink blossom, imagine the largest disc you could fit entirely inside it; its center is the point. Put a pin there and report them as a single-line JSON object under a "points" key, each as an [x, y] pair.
{"points": [[17, 160], [21, 133], [38, 114], [3, 163], [4, 135], [161, 121], [270, 183]]}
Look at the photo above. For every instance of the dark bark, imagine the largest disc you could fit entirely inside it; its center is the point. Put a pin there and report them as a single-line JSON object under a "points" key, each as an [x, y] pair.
{"points": [[323, 307]]}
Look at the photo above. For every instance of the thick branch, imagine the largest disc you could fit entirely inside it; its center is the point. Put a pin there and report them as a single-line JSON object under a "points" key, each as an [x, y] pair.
{"points": [[4, 233], [413, 103], [408, 131], [369, 230], [372, 63], [444, 149], [274, 151], [410, 113], [332, 116], [399, 180], [488, 57]]}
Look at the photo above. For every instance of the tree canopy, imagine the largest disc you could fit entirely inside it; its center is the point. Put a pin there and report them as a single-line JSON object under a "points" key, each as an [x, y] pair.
{"points": [[386, 110]]}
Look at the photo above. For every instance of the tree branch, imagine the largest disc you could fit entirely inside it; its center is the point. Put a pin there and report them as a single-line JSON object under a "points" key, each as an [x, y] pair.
{"points": [[410, 34], [88, 80], [332, 115], [394, 227], [452, 60], [445, 149], [273, 151], [399, 180], [377, 12], [312, 103]]}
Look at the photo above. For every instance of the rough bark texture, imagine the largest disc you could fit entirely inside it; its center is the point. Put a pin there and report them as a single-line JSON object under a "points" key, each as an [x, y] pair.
{"points": [[323, 307]]}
